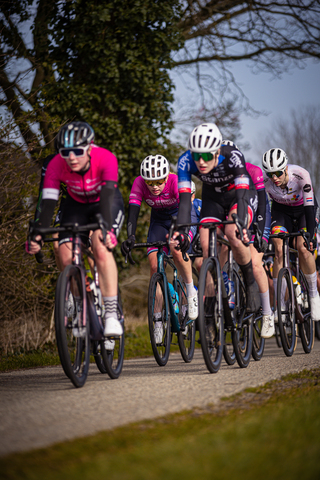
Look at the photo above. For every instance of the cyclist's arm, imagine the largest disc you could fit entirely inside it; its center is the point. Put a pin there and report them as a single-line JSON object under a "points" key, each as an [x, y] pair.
{"points": [[310, 220], [106, 200], [242, 186], [308, 202], [261, 210], [133, 215], [43, 172], [186, 167]]}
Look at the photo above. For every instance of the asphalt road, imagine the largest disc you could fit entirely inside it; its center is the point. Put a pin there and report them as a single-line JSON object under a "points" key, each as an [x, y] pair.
{"points": [[39, 407]]}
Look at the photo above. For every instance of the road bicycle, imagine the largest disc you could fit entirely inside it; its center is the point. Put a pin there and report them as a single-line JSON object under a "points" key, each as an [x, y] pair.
{"points": [[79, 311], [294, 305], [217, 321], [164, 307]]}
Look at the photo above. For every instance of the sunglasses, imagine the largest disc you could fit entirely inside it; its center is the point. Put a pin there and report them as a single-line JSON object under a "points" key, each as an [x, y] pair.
{"points": [[205, 156], [277, 174], [153, 183], [78, 152]]}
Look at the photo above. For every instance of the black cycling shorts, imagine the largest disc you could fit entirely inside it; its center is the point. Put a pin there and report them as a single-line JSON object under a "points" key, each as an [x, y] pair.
{"points": [[83, 213]]}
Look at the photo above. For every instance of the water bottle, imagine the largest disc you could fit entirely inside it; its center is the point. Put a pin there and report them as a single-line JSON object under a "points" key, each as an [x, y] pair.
{"points": [[297, 290], [175, 298], [229, 286]]}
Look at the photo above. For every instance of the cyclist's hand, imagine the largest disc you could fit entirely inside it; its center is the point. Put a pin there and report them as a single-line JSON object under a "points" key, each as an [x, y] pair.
{"points": [[127, 245], [246, 238], [261, 248], [184, 243], [313, 244], [111, 241], [33, 247]]}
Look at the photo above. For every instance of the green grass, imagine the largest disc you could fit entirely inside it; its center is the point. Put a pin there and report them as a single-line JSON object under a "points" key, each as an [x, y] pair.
{"points": [[272, 432]]}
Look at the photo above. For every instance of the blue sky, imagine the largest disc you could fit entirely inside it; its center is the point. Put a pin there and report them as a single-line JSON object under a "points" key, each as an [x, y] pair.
{"points": [[273, 95]]}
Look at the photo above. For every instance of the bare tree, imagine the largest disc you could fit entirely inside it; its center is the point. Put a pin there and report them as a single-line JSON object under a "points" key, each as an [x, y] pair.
{"points": [[269, 36], [299, 137]]}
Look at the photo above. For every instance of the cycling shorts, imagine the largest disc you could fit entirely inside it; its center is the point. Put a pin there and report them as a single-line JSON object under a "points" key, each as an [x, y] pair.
{"points": [[83, 213], [160, 222], [287, 218], [216, 206]]}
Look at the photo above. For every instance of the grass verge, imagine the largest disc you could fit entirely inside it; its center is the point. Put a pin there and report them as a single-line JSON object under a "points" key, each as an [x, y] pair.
{"points": [[271, 432]]}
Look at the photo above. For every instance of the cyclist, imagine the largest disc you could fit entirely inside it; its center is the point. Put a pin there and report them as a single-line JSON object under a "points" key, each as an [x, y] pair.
{"points": [[90, 174], [227, 188], [159, 188], [263, 219], [293, 207]]}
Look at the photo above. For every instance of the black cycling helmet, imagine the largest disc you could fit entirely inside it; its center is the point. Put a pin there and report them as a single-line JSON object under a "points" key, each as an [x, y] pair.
{"points": [[75, 134]]}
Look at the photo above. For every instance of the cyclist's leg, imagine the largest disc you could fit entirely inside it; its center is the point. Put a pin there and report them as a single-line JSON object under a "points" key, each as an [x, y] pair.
{"points": [[242, 254]]}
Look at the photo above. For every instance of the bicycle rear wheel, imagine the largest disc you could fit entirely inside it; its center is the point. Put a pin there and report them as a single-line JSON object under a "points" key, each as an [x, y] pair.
{"points": [[112, 348], [187, 333], [74, 351], [210, 318], [258, 342], [242, 333], [286, 315], [305, 324], [158, 320]]}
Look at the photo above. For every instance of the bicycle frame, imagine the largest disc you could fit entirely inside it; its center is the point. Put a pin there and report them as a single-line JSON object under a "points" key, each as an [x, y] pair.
{"points": [[163, 259]]}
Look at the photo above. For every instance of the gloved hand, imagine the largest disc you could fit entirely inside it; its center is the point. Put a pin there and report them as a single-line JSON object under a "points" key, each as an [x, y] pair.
{"points": [[184, 242], [127, 245], [261, 248]]}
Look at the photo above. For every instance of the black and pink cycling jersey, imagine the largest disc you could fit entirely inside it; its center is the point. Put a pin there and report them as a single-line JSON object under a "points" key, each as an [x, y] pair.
{"points": [[82, 187]]}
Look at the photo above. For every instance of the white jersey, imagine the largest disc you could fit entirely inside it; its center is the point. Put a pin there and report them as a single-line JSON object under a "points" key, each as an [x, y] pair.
{"points": [[298, 190]]}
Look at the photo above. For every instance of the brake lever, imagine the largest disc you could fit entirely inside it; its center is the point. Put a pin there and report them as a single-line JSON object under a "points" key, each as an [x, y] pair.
{"points": [[239, 227], [306, 238]]}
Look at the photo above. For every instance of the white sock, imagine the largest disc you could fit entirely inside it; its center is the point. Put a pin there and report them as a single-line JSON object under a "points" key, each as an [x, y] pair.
{"points": [[265, 303], [312, 283], [191, 291]]}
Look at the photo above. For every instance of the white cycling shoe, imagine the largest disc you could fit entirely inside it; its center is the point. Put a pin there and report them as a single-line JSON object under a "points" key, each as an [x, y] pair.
{"points": [[193, 307], [268, 328], [315, 308], [113, 327]]}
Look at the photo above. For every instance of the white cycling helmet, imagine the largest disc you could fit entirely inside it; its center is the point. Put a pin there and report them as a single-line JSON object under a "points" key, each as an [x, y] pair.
{"points": [[274, 160], [193, 187], [205, 138], [229, 143], [154, 167]]}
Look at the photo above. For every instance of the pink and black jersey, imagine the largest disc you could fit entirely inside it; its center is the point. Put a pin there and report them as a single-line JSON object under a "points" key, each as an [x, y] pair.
{"points": [[82, 187], [168, 198]]}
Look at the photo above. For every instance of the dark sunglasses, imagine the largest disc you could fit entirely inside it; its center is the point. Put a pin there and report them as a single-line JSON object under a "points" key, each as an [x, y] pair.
{"points": [[206, 156], [277, 174], [78, 152], [153, 183]]}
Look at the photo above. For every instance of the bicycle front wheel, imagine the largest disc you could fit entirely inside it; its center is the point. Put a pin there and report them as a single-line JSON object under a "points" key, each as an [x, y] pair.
{"points": [[112, 349], [158, 320], [187, 333], [210, 318], [258, 342], [286, 315], [305, 324], [242, 332], [72, 331]]}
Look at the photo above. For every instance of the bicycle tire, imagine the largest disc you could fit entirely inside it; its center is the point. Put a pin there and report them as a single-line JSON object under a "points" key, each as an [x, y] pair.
{"points": [[317, 330], [277, 334], [228, 348], [210, 319], [305, 324], [286, 314], [258, 343], [113, 358], [156, 300], [97, 355], [74, 352], [242, 332], [186, 336]]}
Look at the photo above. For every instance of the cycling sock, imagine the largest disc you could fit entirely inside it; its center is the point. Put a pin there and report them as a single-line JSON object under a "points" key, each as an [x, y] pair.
{"points": [[111, 306], [312, 283], [247, 273], [265, 303], [191, 291]]}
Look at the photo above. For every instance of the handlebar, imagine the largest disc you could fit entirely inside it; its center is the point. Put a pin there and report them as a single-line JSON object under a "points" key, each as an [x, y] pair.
{"points": [[301, 233]]}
